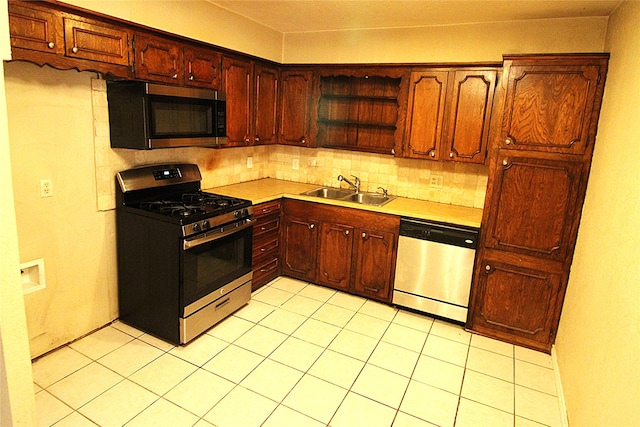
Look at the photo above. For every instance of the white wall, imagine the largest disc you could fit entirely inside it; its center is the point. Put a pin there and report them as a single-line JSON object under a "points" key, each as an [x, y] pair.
{"points": [[598, 344]]}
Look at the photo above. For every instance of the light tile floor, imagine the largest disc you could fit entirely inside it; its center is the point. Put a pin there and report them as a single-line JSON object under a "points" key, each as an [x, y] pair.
{"points": [[299, 355]]}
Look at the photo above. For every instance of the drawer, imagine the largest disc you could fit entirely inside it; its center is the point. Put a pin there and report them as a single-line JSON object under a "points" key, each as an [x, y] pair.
{"points": [[265, 271], [264, 246], [265, 209], [271, 224]]}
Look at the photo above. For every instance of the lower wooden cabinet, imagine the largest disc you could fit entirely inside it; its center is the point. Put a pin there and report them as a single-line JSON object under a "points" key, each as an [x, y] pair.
{"points": [[351, 250], [266, 243]]}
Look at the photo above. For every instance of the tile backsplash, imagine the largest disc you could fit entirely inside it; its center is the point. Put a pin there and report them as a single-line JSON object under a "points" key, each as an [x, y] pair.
{"points": [[462, 184]]}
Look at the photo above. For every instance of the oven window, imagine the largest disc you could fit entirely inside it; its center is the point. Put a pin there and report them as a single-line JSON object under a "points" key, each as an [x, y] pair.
{"points": [[212, 265], [181, 117]]}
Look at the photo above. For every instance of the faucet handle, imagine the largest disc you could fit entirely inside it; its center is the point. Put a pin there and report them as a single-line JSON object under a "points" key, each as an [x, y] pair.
{"points": [[384, 192]]}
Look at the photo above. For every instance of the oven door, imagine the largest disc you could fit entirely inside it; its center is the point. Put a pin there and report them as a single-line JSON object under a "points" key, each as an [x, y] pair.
{"points": [[212, 260]]}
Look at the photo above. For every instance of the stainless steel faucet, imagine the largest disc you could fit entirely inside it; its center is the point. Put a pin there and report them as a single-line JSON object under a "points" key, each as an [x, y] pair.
{"points": [[355, 186]]}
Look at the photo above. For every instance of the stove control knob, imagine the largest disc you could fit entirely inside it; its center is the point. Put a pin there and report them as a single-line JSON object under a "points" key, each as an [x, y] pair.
{"points": [[237, 214], [196, 227], [206, 225]]}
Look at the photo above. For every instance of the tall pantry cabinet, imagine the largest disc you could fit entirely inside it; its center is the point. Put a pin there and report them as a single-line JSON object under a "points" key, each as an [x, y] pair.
{"points": [[541, 151]]}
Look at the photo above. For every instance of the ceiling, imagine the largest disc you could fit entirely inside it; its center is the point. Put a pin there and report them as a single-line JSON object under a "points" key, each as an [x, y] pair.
{"points": [[288, 16]]}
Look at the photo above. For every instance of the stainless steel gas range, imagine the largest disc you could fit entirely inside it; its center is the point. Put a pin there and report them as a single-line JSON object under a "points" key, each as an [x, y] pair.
{"points": [[184, 255]]}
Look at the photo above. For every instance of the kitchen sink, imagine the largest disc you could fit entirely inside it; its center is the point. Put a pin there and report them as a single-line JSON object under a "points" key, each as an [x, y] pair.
{"points": [[328, 193], [374, 199]]}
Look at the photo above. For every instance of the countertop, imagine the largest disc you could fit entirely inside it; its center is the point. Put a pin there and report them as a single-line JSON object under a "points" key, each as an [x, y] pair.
{"points": [[265, 190]]}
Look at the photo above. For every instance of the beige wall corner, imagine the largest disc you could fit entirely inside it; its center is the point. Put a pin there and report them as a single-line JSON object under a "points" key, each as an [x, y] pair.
{"points": [[17, 402], [598, 344]]}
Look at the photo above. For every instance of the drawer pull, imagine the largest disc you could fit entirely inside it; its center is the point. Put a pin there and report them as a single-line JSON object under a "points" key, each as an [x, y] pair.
{"points": [[374, 290], [223, 303]]}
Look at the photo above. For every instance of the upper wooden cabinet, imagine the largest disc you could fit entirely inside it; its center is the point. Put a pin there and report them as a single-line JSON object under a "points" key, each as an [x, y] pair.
{"points": [[202, 67], [359, 109], [448, 114], [552, 106], [265, 116], [96, 41], [237, 84], [38, 29], [35, 28], [295, 108], [158, 59]]}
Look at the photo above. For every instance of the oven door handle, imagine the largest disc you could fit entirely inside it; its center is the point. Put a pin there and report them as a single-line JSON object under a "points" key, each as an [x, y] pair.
{"points": [[217, 233]]}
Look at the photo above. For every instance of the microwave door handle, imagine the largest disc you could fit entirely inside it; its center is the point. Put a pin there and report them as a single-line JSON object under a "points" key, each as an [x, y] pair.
{"points": [[215, 234]]}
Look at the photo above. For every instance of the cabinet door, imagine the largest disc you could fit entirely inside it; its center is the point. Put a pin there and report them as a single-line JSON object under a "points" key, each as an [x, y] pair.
{"points": [[534, 205], [158, 60], [551, 108], [202, 67], [237, 85], [266, 104], [468, 115], [516, 303], [425, 114], [334, 257], [35, 29], [375, 264], [295, 99], [300, 248], [97, 42]]}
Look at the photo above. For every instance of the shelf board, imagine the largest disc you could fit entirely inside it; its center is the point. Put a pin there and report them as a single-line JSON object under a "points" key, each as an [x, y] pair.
{"points": [[330, 96], [356, 123]]}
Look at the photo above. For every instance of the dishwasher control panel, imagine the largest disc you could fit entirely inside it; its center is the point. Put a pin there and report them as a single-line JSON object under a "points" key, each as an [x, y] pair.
{"points": [[466, 237]]}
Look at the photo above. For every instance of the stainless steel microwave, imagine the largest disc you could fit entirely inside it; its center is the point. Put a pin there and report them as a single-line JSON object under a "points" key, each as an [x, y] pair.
{"points": [[144, 116]]}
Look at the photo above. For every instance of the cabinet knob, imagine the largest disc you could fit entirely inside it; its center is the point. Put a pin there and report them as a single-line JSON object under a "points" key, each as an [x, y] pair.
{"points": [[364, 235], [393, 151], [312, 226], [505, 162], [257, 138], [247, 140], [451, 155], [507, 141], [303, 140], [74, 50], [51, 45], [190, 77], [346, 232], [432, 154], [487, 267], [175, 76]]}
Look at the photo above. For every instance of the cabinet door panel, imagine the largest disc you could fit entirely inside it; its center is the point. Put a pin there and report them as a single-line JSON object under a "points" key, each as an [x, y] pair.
{"points": [[297, 87], [35, 29], [202, 68], [266, 102], [517, 301], [300, 248], [237, 85], [334, 259], [158, 60], [534, 205], [97, 42], [549, 108], [425, 114], [467, 127], [375, 264]]}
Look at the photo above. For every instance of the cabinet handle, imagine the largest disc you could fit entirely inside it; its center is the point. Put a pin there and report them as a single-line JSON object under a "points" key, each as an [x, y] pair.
{"points": [[247, 140], [370, 289], [311, 226], [505, 162], [393, 151], [451, 155], [74, 50], [257, 138], [190, 77], [507, 141], [487, 267], [303, 140], [51, 45], [432, 154], [175, 76], [364, 235], [346, 232]]}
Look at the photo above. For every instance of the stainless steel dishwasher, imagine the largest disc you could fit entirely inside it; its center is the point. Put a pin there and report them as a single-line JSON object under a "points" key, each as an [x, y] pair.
{"points": [[434, 268]]}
